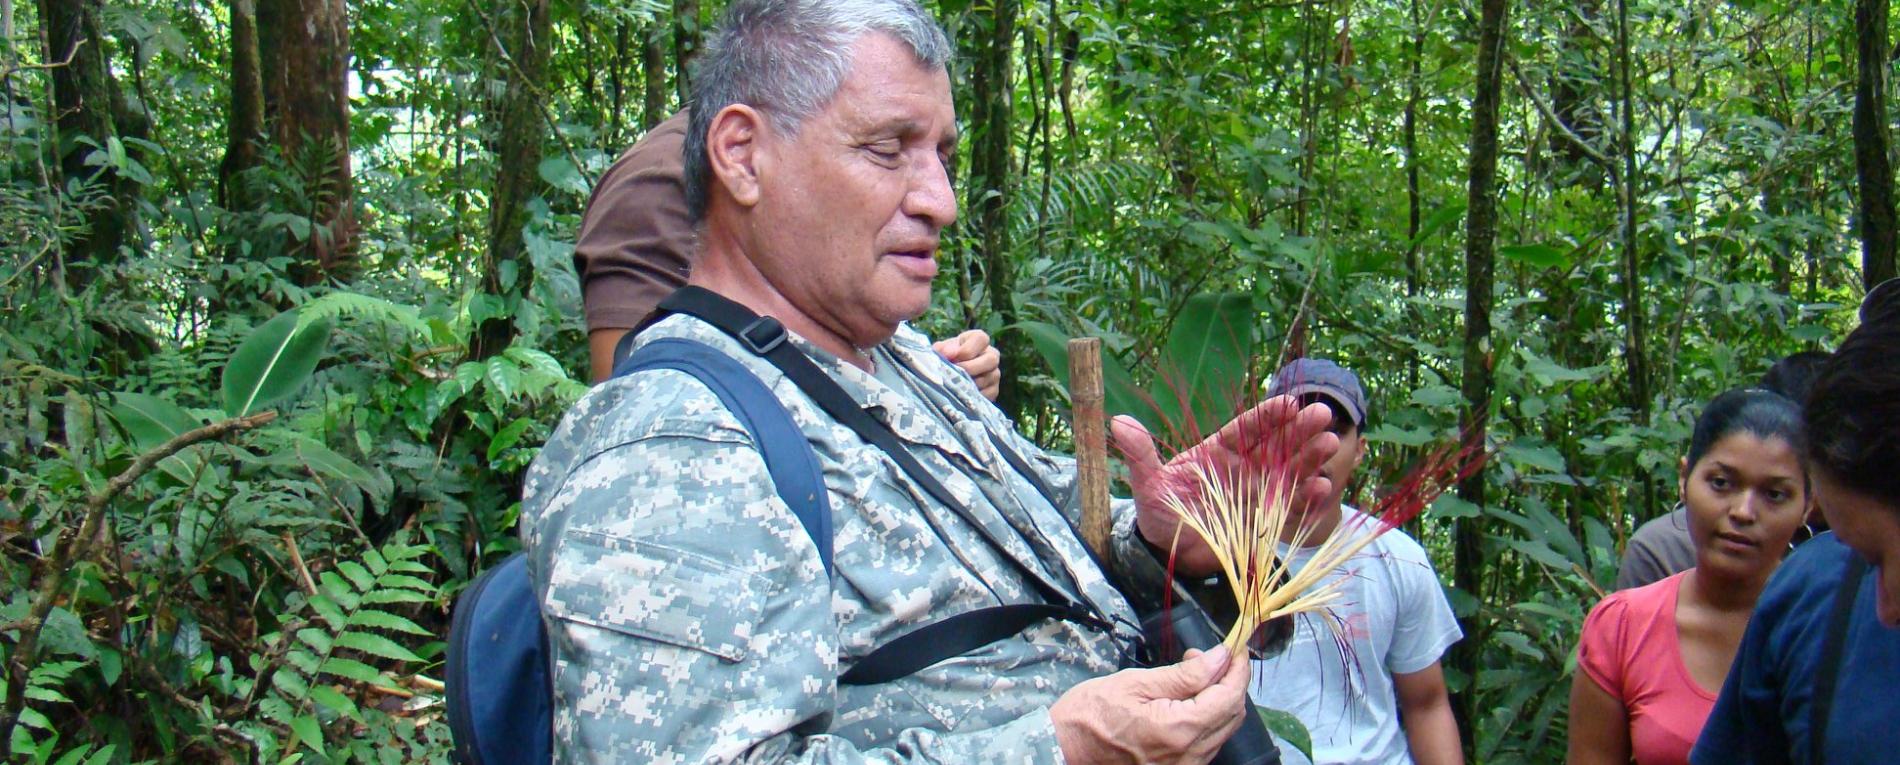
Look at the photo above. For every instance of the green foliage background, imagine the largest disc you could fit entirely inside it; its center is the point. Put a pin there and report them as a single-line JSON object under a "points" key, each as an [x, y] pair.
{"points": [[279, 592]]}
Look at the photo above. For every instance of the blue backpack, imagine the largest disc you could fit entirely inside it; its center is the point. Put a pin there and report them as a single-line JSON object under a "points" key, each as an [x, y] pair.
{"points": [[500, 696]]}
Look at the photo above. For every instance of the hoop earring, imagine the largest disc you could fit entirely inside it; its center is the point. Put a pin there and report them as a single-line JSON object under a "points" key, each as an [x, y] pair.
{"points": [[1680, 521]]}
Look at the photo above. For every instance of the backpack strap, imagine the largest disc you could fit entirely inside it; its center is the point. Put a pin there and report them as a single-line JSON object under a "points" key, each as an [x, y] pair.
{"points": [[788, 456], [766, 337], [1821, 703]]}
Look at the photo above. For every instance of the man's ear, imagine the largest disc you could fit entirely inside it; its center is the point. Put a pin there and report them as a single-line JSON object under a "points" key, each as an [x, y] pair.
{"points": [[1358, 448], [733, 150]]}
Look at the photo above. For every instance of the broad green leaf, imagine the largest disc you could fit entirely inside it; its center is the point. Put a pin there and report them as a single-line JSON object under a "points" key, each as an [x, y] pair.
{"points": [[509, 435], [338, 589], [325, 462], [305, 661], [111, 665], [386, 621], [558, 172], [1451, 506], [1539, 255], [536, 360], [335, 700], [1550, 372], [1288, 728], [1388, 433], [1437, 221], [504, 376], [1120, 394], [339, 304], [327, 609], [1545, 609], [353, 670], [275, 360], [64, 633], [1206, 361], [151, 422], [399, 581], [358, 576], [1520, 643], [103, 756], [1543, 458], [309, 731], [315, 638], [375, 645], [1438, 397], [290, 683], [1540, 552], [387, 597]]}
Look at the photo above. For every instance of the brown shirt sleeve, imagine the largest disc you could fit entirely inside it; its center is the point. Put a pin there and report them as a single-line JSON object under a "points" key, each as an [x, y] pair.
{"points": [[636, 243]]}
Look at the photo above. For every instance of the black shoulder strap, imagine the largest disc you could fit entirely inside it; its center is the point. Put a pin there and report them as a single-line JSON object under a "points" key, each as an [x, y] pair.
{"points": [[945, 638], [768, 338], [1821, 703], [934, 642]]}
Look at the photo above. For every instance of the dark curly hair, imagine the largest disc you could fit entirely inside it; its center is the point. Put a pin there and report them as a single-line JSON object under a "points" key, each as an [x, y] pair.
{"points": [[1853, 410]]}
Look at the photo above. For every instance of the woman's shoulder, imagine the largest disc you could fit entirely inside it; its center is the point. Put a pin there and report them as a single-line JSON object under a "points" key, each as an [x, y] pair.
{"points": [[1648, 602]]}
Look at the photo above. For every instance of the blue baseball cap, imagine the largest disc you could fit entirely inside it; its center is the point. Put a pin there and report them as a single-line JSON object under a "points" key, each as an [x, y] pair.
{"points": [[1303, 376]]}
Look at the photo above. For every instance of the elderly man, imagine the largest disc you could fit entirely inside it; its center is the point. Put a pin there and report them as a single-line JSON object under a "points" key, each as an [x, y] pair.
{"points": [[637, 245], [691, 617]]}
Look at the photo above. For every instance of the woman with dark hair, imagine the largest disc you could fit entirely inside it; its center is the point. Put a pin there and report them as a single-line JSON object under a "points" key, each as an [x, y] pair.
{"points": [[1814, 680], [1650, 656]]}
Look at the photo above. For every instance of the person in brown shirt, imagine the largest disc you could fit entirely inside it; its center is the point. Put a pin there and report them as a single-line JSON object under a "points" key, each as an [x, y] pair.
{"points": [[637, 244]]}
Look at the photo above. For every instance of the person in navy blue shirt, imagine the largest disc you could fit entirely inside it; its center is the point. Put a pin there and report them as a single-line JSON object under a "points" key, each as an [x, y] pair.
{"points": [[1815, 678]]}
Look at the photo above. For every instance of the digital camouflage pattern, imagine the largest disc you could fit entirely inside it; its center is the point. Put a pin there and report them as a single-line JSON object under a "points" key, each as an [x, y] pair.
{"points": [[687, 607]]}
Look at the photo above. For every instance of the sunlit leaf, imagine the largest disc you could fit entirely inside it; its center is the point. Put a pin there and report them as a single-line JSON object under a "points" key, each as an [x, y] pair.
{"points": [[272, 363]]}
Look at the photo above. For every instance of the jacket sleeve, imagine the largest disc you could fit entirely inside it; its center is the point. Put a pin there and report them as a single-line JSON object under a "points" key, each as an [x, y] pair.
{"points": [[690, 618]]}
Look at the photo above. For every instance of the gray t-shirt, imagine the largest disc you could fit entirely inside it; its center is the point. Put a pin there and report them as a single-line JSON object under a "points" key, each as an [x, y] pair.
{"points": [[1659, 549]]}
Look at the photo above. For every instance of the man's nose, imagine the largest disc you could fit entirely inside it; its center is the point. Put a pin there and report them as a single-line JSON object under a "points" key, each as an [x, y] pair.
{"points": [[930, 196]]}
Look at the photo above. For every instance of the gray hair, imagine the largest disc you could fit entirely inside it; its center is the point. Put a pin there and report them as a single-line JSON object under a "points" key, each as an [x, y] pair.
{"points": [[787, 58]]}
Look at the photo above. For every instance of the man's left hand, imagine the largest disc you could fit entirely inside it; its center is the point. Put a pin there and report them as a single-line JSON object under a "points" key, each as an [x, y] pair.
{"points": [[1275, 433], [972, 352]]}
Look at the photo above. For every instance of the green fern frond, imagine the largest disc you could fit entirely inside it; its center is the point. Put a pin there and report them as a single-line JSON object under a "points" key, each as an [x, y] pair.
{"points": [[338, 304]]}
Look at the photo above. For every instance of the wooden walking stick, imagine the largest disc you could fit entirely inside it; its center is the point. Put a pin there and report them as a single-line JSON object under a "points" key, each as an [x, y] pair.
{"points": [[1091, 442], [1185, 623]]}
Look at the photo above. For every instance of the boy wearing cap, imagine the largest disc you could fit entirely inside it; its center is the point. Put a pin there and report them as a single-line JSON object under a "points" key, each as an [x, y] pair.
{"points": [[1352, 679]]}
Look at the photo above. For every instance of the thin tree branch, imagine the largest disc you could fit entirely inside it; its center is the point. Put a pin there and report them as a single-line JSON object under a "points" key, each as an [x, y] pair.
{"points": [[1590, 152], [25, 655]]}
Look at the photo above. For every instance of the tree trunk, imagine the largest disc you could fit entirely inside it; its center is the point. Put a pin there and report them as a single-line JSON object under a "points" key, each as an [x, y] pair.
{"points": [[1481, 232], [653, 76], [1635, 314], [1414, 52], [305, 46], [988, 192], [1570, 88], [1871, 141], [246, 126], [84, 96], [507, 272], [685, 47]]}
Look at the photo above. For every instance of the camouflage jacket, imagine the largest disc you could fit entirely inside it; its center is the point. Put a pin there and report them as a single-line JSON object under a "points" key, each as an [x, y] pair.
{"points": [[689, 615]]}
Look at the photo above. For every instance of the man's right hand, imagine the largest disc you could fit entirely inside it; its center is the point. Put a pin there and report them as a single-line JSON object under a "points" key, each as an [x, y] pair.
{"points": [[1177, 714]]}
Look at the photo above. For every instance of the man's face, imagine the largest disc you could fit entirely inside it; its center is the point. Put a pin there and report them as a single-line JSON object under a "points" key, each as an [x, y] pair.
{"points": [[1339, 469], [850, 209], [1871, 529]]}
